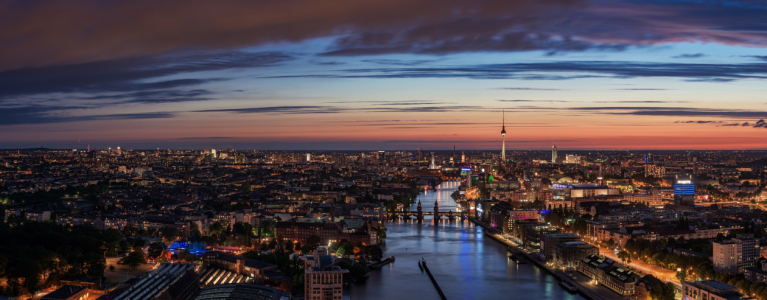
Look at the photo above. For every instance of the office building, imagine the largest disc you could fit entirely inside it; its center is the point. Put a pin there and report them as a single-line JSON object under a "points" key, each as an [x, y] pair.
{"points": [[549, 240], [735, 255], [710, 290], [554, 154], [568, 254], [684, 192]]}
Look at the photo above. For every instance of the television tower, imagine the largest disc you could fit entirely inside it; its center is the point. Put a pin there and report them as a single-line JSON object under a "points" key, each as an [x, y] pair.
{"points": [[503, 134]]}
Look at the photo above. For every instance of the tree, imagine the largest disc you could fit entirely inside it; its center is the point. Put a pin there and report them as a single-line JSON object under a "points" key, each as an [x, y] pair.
{"points": [[111, 268], [610, 243], [719, 237], [345, 248], [662, 292], [374, 252], [134, 260], [169, 233], [623, 255], [155, 249], [313, 241], [194, 232], [245, 187], [682, 276]]}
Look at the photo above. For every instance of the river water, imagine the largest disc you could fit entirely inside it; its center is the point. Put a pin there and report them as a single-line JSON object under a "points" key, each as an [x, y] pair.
{"points": [[465, 263]]}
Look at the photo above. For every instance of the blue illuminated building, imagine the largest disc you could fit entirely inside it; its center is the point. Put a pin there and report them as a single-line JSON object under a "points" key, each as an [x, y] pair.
{"points": [[684, 189], [193, 247], [684, 193]]}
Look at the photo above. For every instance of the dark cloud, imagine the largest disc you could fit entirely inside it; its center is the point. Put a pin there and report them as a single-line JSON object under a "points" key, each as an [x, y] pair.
{"points": [[129, 75], [699, 122], [49, 32], [406, 103], [710, 80], [58, 114], [696, 55], [161, 96], [327, 63], [641, 101], [399, 62], [530, 89], [549, 70], [306, 109], [416, 42], [311, 109], [207, 138], [673, 111], [549, 101]]}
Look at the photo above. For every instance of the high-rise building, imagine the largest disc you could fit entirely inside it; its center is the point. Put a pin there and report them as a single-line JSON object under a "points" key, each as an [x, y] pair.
{"points": [[432, 165], [308, 157], [503, 135], [684, 191], [735, 255], [554, 154]]}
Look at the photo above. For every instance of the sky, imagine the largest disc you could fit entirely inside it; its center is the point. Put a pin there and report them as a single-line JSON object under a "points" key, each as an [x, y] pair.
{"points": [[383, 74]]}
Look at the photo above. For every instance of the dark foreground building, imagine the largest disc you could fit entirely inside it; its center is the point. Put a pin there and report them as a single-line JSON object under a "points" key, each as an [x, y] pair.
{"points": [[241, 291]]}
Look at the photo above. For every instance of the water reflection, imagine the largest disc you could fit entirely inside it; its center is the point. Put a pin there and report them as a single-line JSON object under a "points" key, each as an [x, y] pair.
{"points": [[441, 196], [466, 264]]}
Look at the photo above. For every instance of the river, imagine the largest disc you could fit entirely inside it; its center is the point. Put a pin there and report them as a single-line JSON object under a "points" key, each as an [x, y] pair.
{"points": [[465, 263]]}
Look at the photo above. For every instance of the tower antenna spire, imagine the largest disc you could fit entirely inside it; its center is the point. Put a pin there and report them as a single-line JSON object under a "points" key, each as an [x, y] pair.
{"points": [[503, 135]]}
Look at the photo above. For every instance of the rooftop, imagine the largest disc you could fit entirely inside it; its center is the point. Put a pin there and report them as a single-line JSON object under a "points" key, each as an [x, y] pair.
{"points": [[64, 292]]}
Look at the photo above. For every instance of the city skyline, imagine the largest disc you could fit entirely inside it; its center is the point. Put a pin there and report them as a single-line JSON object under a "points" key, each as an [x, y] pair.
{"points": [[386, 75]]}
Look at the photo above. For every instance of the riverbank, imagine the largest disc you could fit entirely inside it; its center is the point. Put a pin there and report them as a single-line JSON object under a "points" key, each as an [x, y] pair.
{"points": [[580, 281]]}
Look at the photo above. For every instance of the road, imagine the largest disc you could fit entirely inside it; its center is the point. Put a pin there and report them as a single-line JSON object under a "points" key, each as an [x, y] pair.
{"points": [[661, 273]]}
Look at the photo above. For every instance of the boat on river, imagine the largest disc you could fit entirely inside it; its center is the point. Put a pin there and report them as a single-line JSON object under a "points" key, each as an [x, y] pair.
{"points": [[568, 286]]}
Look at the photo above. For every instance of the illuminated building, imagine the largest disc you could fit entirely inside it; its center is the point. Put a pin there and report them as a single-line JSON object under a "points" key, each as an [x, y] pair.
{"points": [[549, 240], [654, 170], [709, 289], [223, 268], [158, 284], [238, 291], [68, 292], [735, 255], [554, 154], [503, 135], [568, 254], [322, 279], [684, 192], [432, 165], [605, 273]]}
